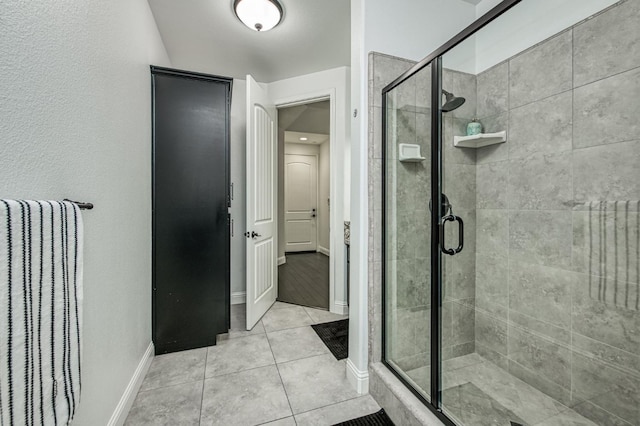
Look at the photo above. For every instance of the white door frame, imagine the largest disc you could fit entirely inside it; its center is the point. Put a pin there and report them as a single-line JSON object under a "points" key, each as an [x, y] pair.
{"points": [[336, 224]]}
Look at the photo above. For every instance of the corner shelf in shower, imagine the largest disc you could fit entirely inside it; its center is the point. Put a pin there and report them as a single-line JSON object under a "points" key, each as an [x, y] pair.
{"points": [[478, 141]]}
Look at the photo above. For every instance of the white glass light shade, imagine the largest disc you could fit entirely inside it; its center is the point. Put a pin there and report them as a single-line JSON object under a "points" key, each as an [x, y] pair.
{"points": [[259, 15]]}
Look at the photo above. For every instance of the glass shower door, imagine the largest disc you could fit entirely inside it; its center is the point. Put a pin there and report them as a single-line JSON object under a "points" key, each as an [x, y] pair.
{"points": [[407, 237]]}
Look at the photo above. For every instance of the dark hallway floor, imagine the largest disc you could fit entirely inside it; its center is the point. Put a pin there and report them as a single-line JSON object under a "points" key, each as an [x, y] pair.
{"points": [[304, 280]]}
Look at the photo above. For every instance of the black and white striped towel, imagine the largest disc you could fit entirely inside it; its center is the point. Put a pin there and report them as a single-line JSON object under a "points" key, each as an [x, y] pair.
{"points": [[40, 312]]}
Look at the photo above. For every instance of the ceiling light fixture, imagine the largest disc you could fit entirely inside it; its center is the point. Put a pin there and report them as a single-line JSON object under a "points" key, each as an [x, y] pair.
{"points": [[259, 15], [304, 139]]}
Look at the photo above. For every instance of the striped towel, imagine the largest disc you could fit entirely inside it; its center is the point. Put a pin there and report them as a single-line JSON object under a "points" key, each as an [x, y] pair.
{"points": [[40, 312]]}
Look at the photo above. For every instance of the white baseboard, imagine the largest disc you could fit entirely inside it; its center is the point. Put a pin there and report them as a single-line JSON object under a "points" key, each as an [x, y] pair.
{"points": [[282, 260], [126, 401], [238, 297], [341, 308], [358, 379], [324, 251]]}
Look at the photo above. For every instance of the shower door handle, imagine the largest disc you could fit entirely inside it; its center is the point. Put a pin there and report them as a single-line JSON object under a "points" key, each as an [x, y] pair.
{"points": [[452, 251]]}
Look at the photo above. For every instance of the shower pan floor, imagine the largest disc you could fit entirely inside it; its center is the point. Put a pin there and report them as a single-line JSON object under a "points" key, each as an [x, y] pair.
{"points": [[477, 392]]}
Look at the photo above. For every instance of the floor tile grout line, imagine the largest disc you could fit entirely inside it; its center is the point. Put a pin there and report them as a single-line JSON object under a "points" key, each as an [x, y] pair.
{"points": [[168, 386], [281, 381], [336, 403], [240, 371], [236, 338], [204, 377], [277, 420], [314, 356], [288, 328], [305, 357], [292, 328]]}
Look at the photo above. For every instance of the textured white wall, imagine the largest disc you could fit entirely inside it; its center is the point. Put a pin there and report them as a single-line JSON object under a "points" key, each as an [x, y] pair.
{"points": [[75, 100]]}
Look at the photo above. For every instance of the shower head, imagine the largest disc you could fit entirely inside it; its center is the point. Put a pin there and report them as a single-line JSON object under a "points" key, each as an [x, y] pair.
{"points": [[452, 101]]}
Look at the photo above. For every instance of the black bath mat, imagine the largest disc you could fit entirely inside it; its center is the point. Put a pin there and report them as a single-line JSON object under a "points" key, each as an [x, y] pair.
{"points": [[376, 419], [335, 335]]}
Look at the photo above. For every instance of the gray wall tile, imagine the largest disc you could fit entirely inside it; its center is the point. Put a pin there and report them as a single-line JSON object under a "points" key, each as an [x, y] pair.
{"points": [[460, 185], [605, 387], [493, 91], [607, 111], [607, 44], [492, 290], [423, 134], [548, 359], [540, 382], [624, 360], [491, 332], [386, 69], [423, 331], [405, 130], [492, 233], [541, 292], [541, 126], [491, 185], [461, 285], [423, 88], [491, 355], [447, 323], [542, 71], [541, 237], [558, 334], [605, 244], [616, 177], [462, 324], [375, 133], [541, 181], [464, 85], [618, 326]]}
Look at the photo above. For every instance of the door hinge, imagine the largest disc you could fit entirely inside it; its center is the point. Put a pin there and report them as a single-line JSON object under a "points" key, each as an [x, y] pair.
{"points": [[232, 228]]}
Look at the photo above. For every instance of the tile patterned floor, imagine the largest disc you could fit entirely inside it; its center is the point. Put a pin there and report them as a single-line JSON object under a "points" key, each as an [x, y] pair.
{"points": [[279, 374]]}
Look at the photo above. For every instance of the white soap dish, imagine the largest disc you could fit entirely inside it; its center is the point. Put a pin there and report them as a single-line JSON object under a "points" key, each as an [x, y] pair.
{"points": [[410, 153]]}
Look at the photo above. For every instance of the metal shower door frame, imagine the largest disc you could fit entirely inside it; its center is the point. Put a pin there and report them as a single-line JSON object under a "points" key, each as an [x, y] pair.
{"points": [[434, 59]]}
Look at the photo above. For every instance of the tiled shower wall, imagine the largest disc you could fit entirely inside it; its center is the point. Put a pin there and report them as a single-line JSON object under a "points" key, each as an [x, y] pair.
{"points": [[408, 242], [557, 217], [553, 271]]}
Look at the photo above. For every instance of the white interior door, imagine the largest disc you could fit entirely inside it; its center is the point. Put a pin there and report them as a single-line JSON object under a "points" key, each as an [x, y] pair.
{"points": [[262, 247], [300, 202]]}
